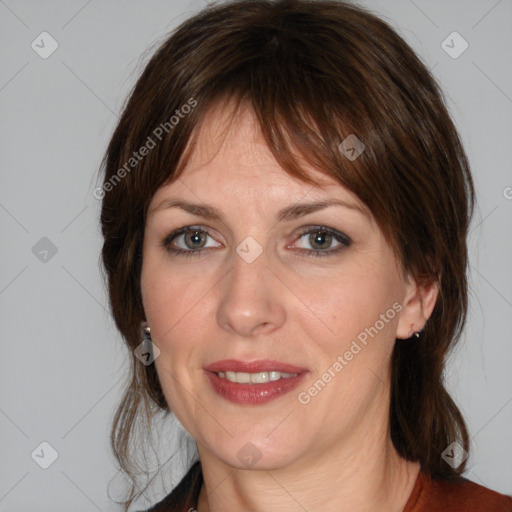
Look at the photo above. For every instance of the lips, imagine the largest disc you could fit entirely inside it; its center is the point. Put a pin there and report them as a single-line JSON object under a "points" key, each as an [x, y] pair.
{"points": [[253, 393]]}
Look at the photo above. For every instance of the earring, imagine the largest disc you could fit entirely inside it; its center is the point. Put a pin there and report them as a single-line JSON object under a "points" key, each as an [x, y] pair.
{"points": [[415, 334], [147, 351], [146, 333]]}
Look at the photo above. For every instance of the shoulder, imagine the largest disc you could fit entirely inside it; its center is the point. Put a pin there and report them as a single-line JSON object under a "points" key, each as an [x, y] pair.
{"points": [[184, 496], [468, 495], [457, 495]]}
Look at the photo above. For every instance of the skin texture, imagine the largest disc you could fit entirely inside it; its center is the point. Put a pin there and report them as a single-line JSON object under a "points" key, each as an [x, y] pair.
{"points": [[333, 453]]}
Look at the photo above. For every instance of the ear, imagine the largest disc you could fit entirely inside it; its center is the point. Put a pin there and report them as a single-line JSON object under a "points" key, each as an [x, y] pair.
{"points": [[418, 305]]}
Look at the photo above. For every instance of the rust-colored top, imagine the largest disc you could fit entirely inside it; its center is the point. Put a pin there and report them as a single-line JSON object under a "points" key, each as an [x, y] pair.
{"points": [[427, 496], [459, 496]]}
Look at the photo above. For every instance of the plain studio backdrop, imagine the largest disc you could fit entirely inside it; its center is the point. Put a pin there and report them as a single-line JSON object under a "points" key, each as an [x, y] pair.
{"points": [[67, 67]]}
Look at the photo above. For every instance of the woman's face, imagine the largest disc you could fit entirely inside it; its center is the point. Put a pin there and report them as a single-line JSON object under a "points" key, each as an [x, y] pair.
{"points": [[291, 277]]}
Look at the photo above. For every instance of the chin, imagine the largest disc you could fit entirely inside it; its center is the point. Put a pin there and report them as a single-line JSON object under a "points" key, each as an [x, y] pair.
{"points": [[257, 451]]}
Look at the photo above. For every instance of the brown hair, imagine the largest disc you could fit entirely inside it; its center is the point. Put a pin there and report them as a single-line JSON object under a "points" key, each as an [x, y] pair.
{"points": [[313, 72]]}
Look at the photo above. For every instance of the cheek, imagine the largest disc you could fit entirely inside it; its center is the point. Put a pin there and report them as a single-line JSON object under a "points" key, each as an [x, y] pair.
{"points": [[178, 306], [169, 296], [172, 303], [350, 335], [345, 304]]}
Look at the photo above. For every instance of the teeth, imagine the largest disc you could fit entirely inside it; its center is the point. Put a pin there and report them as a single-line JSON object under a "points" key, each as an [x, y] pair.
{"points": [[259, 378], [254, 378], [243, 378]]}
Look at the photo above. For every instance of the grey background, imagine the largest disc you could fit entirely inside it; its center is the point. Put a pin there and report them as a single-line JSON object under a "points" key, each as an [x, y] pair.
{"points": [[62, 363]]}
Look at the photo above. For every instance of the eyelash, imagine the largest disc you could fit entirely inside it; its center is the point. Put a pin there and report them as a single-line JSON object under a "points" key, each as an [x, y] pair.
{"points": [[343, 239]]}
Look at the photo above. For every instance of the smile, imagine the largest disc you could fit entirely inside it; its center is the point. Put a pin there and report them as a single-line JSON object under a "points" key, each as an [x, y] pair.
{"points": [[253, 382]]}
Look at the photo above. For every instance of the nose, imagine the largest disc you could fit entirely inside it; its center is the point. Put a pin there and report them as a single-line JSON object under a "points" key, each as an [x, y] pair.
{"points": [[251, 299]]}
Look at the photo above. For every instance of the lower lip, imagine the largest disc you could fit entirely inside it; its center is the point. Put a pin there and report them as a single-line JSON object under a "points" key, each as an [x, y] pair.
{"points": [[253, 394]]}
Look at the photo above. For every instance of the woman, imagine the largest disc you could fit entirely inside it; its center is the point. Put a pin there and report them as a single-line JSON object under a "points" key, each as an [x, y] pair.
{"points": [[285, 209]]}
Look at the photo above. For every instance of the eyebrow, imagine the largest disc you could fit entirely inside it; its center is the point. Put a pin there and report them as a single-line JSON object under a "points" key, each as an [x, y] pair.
{"points": [[290, 212]]}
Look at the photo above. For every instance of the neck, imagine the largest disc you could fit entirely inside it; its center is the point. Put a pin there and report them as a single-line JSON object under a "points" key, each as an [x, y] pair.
{"points": [[364, 475]]}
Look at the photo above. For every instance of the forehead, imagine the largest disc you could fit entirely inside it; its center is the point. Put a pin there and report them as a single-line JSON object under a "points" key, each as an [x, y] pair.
{"points": [[231, 170], [230, 153]]}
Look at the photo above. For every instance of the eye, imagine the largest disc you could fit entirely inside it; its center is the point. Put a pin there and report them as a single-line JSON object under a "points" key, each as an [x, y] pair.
{"points": [[313, 240], [322, 241], [189, 241]]}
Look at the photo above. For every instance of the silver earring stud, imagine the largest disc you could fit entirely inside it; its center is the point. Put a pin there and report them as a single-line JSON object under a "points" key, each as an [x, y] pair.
{"points": [[146, 332], [415, 334], [419, 333]]}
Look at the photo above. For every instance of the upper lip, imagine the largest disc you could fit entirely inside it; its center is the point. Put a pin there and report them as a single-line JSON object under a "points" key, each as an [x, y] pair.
{"points": [[261, 365]]}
